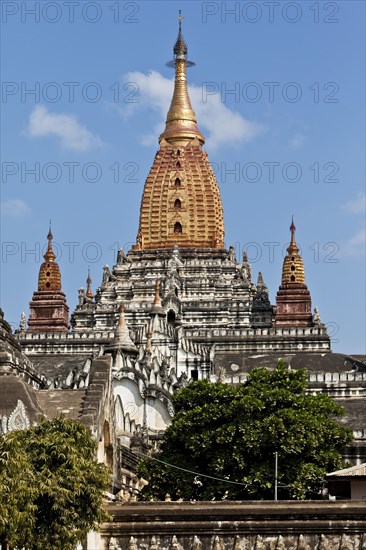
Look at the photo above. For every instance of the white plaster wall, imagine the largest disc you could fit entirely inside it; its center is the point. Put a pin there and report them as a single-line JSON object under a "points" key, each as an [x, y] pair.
{"points": [[157, 414], [132, 402]]}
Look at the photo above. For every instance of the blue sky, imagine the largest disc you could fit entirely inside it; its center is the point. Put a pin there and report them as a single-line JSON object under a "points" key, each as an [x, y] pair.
{"points": [[278, 90]]}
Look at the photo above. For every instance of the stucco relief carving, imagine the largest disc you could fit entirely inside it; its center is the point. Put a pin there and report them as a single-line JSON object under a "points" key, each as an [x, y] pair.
{"points": [[17, 420]]}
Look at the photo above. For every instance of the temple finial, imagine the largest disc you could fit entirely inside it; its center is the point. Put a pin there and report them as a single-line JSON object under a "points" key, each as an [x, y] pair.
{"points": [[122, 339], [293, 265], [50, 256], [292, 229], [49, 311], [89, 293], [50, 236], [181, 124], [180, 48], [293, 248], [157, 308]]}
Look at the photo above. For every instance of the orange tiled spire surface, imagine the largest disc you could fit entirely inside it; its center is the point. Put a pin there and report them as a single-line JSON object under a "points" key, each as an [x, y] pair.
{"points": [[49, 311], [293, 265], [293, 298], [181, 202], [49, 277]]}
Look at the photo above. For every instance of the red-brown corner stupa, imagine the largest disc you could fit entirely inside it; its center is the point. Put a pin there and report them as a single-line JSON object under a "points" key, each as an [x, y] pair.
{"points": [[49, 311], [181, 202], [293, 299]]}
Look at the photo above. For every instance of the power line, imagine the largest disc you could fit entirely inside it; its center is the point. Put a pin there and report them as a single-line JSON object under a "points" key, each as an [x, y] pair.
{"points": [[246, 485]]}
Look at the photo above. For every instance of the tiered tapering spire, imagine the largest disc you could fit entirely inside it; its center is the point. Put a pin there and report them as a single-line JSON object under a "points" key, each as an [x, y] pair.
{"points": [[50, 256], [181, 203], [293, 248], [122, 339], [181, 123], [157, 308], [293, 298], [89, 293], [293, 266], [49, 274], [48, 308]]}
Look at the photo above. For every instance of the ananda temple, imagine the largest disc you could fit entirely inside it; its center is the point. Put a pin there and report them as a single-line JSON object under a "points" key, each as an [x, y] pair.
{"points": [[178, 306]]}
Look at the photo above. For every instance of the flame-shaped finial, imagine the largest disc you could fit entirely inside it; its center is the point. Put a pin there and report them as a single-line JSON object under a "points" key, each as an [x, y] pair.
{"points": [[293, 248], [180, 47], [49, 256], [181, 123], [89, 293], [50, 236]]}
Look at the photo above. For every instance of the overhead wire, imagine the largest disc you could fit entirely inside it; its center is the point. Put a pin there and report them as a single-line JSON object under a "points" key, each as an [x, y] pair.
{"points": [[246, 485]]}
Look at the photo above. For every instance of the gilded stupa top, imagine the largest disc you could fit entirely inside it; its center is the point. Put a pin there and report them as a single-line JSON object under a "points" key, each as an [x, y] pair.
{"points": [[181, 123], [49, 277], [293, 265], [181, 203]]}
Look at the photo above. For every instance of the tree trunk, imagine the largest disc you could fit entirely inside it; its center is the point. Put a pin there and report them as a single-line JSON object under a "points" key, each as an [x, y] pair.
{"points": [[4, 542]]}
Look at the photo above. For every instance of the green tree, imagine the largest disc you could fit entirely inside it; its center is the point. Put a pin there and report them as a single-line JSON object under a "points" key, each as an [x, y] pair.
{"points": [[64, 485], [232, 433], [17, 493]]}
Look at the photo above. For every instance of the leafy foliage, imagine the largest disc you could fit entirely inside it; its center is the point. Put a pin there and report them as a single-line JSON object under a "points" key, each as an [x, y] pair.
{"points": [[232, 433], [17, 492], [50, 486]]}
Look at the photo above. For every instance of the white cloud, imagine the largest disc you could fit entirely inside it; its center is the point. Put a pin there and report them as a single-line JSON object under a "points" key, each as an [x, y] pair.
{"points": [[357, 205], [14, 208], [296, 141], [356, 245], [72, 134], [221, 125]]}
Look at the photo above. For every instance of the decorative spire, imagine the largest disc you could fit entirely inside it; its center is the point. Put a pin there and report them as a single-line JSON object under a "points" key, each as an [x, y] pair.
{"points": [[89, 293], [122, 339], [293, 298], [181, 201], [49, 277], [181, 124], [49, 311], [157, 308], [49, 256], [293, 265], [180, 49], [293, 249]]}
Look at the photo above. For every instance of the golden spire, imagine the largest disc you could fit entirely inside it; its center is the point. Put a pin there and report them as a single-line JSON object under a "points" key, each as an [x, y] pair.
{"points": [[181, 123], [181, 203], [293, 248], [89, 293], [49, 277], [50, 256], [293, 265]]}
